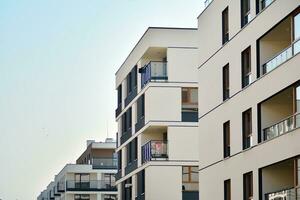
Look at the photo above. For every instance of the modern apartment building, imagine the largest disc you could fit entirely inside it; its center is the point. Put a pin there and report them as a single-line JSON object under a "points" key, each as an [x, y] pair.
{"points": [[157, 114], [249, 94], [91, 178]]}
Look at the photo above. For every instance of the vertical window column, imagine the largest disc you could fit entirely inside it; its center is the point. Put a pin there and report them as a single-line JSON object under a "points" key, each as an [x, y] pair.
{"points": [[225, 26], [248, 186], [227, 190], [246, 67], [226, 139], [247, 129], [226, 91]]}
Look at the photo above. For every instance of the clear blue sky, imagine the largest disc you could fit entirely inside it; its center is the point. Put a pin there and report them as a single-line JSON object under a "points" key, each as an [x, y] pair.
{"points": [[57, 64]]}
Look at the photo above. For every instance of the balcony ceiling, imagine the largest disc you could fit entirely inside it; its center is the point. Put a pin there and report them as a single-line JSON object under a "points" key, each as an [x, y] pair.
{"points": [[155, 53]]}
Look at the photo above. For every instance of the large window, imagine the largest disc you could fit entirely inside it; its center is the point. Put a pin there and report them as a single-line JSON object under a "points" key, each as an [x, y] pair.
{"points": [[227, 190], [119, 95], [297, 27], [248, 186], [190, 178], [226, 139], [189, 99], [132, 151], [245, 12], [127, 121], [225, 26], [246, 67], [226, 82], [247, 128]]}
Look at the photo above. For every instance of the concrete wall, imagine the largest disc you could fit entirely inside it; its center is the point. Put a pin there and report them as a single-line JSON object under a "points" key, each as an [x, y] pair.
{"points": [[183, 143], [163, 104], [163, 182]]}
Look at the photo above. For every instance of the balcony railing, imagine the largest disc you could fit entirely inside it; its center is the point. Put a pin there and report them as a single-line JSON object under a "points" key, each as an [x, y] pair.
{"points": [[287, 194], [104, 163], [97, 185], [126, 135], [118, 175], [154, 150], [282, 127], [281, 57], [60, 187], [153, 71]]}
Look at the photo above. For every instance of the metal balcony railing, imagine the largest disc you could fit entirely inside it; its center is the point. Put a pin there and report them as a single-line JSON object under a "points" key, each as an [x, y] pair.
{"points": [[154, 150], [281, 57], [153, 71], [97, 185], [104, 163], [286, 194], [282, 127]]}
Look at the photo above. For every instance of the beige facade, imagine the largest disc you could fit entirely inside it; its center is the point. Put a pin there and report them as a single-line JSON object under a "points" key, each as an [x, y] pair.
{"points": [[259, 157], [157, 134]]}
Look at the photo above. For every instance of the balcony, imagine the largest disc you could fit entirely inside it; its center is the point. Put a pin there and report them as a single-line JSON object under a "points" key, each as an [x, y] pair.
{"points": [[282, 127], [279, 44], [278, 181], [126, 135], [280, 113], [97, 185], [104, 163], [118, 175], [288, 194], [131, 96], [118, 110], [140, 124], [281, 57], [154, 150], [131, 167], [152, 72]]}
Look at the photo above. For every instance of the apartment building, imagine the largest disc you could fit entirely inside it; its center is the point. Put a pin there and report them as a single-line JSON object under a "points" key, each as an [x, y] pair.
{"points": [[91, 178], [157, 114], [249, 94]]}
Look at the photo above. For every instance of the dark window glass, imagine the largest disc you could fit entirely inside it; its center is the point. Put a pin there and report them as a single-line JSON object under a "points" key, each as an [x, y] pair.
{"points": [[227, 190], [225, 26], [247, 128], [119, 95], [226, 82], [248, 186], [141, 107], [129, 84], [246, 67], [245, 12], [226, 136]]}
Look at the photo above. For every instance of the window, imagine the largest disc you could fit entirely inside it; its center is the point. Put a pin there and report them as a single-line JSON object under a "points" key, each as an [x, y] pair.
{"points": [[82, 197], [190, 178], [226, 139], [247, 129], [226, 82], [120, 95], [119, 160], [227, 190], [127, 121], [141, 107], [132, 80], [297, 26], [246, 67], [189, 99], [248, 186], [225, 26], [129, 83], [245, 12], [141, 183], [132, 151]]}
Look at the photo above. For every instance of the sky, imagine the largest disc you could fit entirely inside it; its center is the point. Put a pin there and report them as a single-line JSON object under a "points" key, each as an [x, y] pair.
{"points": [[58, 60]]}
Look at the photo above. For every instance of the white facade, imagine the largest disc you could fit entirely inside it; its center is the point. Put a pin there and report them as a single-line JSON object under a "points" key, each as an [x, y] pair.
{"points": [[156, 136], [258, 157]]}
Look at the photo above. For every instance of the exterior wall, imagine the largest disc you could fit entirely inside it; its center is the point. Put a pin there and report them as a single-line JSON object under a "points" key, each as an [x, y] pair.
{"points": [[182, 64], [231, 52], [168, 98], [183, 143], [213, 112], [163, 182]]}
